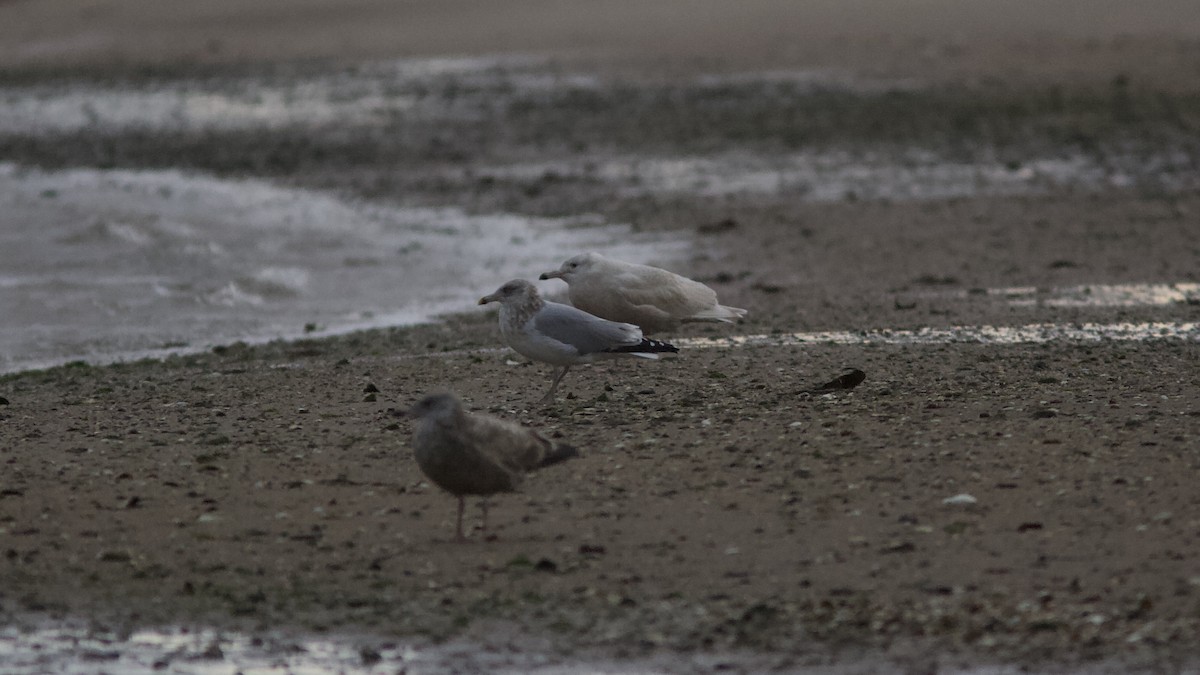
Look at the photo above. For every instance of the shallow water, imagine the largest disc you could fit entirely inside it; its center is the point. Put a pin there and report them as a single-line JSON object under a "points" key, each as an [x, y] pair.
{"points": [[109, 264]]}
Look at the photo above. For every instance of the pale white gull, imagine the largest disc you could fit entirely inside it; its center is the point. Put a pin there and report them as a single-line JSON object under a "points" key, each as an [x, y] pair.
{"points": [[474, 454], [562, 335], [654, 299]]}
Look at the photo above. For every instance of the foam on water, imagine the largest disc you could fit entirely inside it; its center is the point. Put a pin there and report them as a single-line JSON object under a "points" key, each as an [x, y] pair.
{"points": [[112, 264]]}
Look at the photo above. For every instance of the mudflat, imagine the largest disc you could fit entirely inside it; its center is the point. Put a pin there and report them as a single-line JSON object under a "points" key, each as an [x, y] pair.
{"points": [[1031, 503]]}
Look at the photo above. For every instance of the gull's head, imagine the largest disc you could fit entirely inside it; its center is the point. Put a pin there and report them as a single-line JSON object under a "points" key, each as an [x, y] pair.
{"points": [[435, 406], [515, 291], [573, 267]]}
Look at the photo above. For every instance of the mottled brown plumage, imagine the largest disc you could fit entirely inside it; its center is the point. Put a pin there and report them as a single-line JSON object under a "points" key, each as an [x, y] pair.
{"points": [[473, 454]]}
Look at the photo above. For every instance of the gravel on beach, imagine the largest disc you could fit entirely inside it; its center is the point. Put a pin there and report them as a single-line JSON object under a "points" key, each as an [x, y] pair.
{"points": [[1032, 504]]}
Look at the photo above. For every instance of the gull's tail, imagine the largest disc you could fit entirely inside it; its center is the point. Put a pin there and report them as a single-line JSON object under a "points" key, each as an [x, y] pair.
{"points": [[647, 349]]}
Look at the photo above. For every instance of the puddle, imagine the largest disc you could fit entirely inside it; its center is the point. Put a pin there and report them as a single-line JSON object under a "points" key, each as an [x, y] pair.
{"points": [[111, 264], [986, 335]]}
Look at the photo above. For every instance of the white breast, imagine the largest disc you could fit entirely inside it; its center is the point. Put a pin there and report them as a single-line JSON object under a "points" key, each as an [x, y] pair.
{"points": [[534, 345]]}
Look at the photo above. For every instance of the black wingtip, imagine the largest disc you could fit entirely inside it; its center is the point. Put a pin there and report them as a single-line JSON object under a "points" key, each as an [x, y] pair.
{"points": [[646, 346], [660, 346], [560, 453]]}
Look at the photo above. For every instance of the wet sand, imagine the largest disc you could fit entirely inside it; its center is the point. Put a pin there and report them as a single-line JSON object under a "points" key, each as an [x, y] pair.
{"points": [[717, 505]]}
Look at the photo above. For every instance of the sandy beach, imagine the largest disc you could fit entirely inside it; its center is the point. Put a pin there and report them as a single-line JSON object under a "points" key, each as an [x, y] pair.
{"points": [[718, 505]]}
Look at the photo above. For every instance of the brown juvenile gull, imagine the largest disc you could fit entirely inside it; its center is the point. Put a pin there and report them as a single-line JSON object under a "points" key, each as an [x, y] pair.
{"points": [[649, 297], [466, 454], [562, 335]]}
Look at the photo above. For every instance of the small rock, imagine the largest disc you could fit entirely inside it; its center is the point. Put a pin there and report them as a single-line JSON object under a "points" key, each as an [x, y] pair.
{"points": [[898, 547], [960, 499], [957, 527], [848, 380], [213, 652], [936, 280], [369, 656], [723, 225], [765, 287]]}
